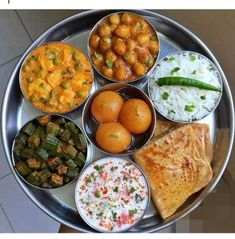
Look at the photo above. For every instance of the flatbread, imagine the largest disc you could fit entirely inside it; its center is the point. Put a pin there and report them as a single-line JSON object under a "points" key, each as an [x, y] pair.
{"points": [[176, 165]]}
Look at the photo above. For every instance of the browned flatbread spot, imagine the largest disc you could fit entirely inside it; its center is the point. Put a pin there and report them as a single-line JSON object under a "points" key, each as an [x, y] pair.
{"points": [[177, 165]]}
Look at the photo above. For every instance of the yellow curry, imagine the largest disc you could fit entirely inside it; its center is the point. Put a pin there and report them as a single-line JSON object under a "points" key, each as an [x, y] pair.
{"points": [[56, 77]]}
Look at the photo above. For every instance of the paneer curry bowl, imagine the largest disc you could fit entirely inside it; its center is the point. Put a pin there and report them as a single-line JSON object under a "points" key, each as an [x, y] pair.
{"points": [[123, 47], [56, 77]]}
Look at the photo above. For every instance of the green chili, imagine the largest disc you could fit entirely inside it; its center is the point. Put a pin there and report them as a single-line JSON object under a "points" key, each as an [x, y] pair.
{"points": [[185, 82]]}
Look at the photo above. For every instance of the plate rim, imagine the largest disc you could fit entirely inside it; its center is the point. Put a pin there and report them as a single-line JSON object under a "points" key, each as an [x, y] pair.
{"points": [[159, 17]]}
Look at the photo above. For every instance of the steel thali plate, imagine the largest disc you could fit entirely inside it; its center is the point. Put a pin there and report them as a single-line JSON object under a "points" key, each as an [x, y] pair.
{"points": [[59, 203]]}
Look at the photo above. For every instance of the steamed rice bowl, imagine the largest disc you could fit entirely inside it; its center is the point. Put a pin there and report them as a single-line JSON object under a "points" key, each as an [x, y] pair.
{"points": [[185, 103]]}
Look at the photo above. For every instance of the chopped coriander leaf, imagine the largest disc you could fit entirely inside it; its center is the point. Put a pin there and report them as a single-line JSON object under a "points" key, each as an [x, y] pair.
{"points": [[165, 96], [41, 85], [147, 62], [114, 215], [125, 57], [115, 189], [97, 194], [172, 58], [171, 112], [97, 56], [192, 57], [109, 64], [132, 212], [88, 180], [138, 25], [203, 97], [189, 108], [153, 38], [70, 104], [98, 168], [132, 190], [175, 70], [43, 100], [194, 72]]}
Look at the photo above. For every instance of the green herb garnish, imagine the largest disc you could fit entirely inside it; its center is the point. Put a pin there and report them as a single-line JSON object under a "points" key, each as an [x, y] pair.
{"points": [[98, 168], [115, 189], [114, 215], [132, 212], [175, 70], [203, 97], [97, 194], [132, 190], [189, 108], [165, 96], [109, 64], [153, 38], [194, 72], [192, 57]]}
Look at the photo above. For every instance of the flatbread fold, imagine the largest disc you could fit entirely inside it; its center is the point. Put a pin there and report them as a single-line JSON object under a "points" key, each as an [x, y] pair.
{"points": [[177, 165]]}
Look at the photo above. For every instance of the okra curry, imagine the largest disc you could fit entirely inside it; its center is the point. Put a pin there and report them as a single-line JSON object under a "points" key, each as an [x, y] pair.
{"points": [[50, 151], [56, 77], [123, 47]]}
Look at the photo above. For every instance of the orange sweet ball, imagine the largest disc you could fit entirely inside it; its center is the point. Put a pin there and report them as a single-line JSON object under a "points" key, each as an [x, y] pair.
{"points": [[113, 137], [135, 116], [106, 106]]}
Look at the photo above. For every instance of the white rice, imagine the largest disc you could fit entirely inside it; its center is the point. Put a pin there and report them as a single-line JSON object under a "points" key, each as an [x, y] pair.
{"points": [[200, 102]]}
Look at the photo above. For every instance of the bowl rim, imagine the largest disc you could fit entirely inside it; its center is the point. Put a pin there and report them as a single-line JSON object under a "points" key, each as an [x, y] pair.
{"points": [[110, 157], [45, 44], [121, 85], [178, 53], [14, 160], [155, 59]]}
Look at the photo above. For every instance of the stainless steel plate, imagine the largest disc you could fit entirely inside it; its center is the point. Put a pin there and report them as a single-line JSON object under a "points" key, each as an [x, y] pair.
{"points": [[59, 204]]}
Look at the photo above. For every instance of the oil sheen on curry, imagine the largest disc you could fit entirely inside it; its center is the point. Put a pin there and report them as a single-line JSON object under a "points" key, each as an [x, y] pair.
{"points": [[123, 47], [56, 77]]}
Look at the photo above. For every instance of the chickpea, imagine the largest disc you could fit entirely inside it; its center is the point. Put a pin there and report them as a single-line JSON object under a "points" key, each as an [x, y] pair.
{"points": [[121, 74], [131, 44], [130, 58], [139, 69], [114, 19], [119, 63], [126, 18], [143, 39], [135, 30], [113, 27], [119, 47], [122, 31], [110, 56], [94, 40], [97, 59], [104, 30], [142, 54], [105, 44], [153, 47], [106, 71]]}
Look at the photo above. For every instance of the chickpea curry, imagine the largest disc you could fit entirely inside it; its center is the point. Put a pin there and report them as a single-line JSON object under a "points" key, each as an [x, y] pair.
{"points": [[56, 77], [123, 47]]}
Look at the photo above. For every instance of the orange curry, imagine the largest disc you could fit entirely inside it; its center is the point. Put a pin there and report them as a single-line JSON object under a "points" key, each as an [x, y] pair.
{"points": [[56, 77], [123, 47]]}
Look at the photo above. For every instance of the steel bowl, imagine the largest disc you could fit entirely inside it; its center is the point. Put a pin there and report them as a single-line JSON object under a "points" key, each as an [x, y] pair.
{"points": [[90, 125], [14, 160], [142, 78], [152, 78], [124, 160], [20, 77]]}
